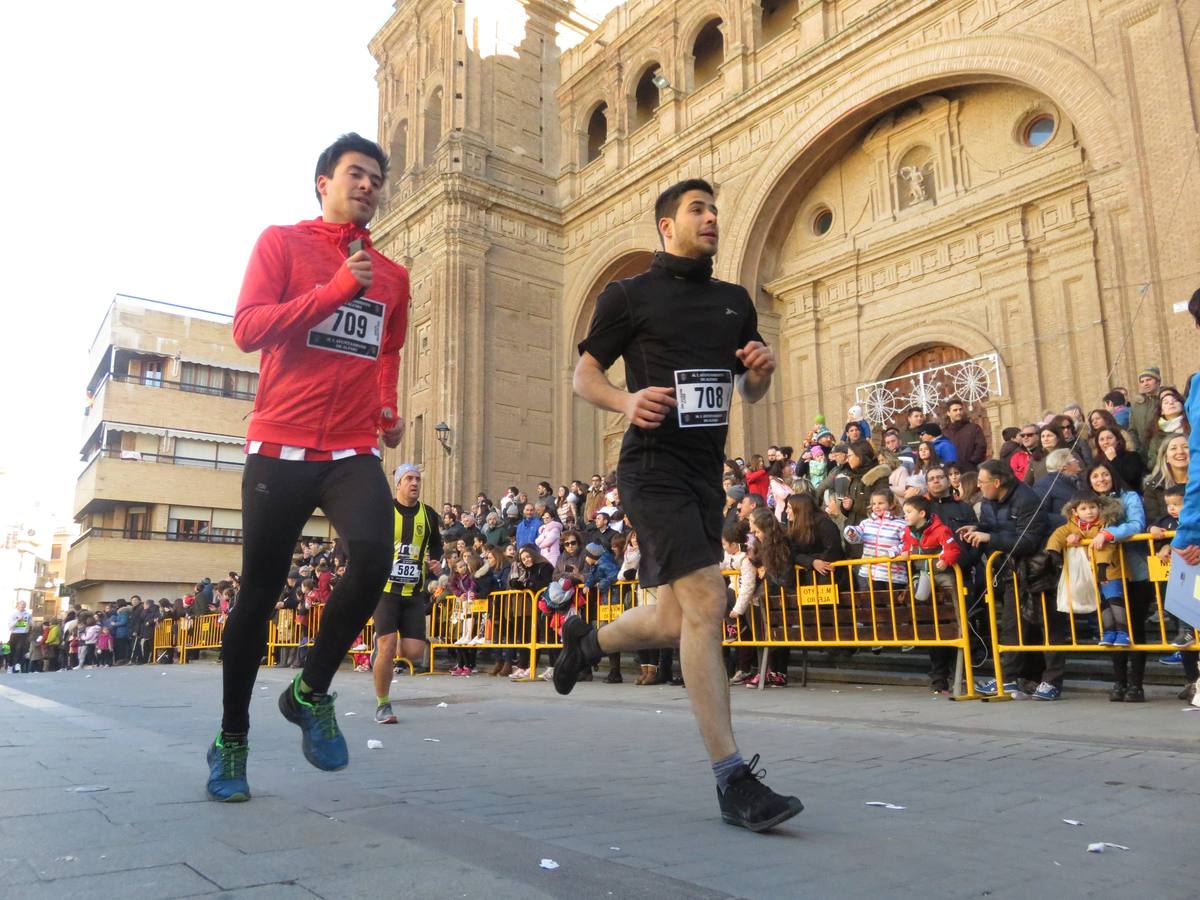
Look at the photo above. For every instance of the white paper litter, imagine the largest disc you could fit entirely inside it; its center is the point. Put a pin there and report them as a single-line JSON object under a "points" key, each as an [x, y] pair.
{"points": [[432, 740], [64, 859], [1101, 846], [352, 713], [374, 744], [264, 688], [883, 805], [835, 692], [89, 676], [614, 848], [443, 705], [658, 712], [548, 864], [1072, 821], [160, 673], [90, 788]]}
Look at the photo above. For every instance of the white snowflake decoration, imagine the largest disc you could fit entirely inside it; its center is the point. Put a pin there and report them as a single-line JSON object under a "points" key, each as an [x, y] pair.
{"points": [[880, 405], [925, 395], [971, 383]]}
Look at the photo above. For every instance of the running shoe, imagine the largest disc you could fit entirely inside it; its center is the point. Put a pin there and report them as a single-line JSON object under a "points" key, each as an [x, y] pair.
{"points": [[322, 742], [776, 679], [548, 674], [1175, 659], [739, 677], [580, 651], [1047, 691], [227, 772], [384, 714], [1120, 639], [1106, 639], [987, 687], [518, 675], [1184, 639], [748, 803]]}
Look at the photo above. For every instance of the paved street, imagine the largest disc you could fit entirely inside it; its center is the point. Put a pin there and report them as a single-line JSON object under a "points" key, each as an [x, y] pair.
{"points": [[611, 783]]}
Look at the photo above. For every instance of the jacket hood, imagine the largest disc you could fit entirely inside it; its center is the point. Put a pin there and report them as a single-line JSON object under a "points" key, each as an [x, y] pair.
{"points": [[340, 233], [876, 473]]}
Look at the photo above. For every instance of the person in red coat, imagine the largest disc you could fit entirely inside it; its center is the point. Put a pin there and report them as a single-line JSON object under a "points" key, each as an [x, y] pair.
{"points": [[927, 534], [757, 479]]}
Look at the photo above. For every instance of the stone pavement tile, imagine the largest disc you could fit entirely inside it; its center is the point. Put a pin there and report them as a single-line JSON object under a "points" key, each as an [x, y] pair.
{"points": [[266, 892], [230, 869], [165, 882], [23, 833], [447, 878], [16, 870], [98, 855]]}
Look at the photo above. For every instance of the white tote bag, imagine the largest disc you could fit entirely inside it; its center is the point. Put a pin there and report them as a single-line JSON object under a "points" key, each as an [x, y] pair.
{"points": [[1076, 586]]}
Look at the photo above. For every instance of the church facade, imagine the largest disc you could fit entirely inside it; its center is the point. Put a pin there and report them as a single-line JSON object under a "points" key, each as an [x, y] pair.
{"points": [[991, 199]]}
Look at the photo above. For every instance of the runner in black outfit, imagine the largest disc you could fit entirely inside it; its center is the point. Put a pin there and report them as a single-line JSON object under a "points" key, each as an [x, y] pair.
{"points": [[687, 339]]}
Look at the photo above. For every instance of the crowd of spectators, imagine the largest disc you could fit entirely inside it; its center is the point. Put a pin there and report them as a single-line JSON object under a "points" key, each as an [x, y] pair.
{"points": [[922, 485]]}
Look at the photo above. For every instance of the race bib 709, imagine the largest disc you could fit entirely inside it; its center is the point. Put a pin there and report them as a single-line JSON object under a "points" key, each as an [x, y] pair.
{"points": [[355, 328]]}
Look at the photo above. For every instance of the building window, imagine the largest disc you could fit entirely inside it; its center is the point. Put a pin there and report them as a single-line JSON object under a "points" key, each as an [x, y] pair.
{"points": [[137, 524], [418, 444], [1038, 130], [709, 53], [645, 97], [200, 379], [399, 148], [433, 126], [187, 530], [777, 17], [597, 132], [822, 221], [56, 551]]}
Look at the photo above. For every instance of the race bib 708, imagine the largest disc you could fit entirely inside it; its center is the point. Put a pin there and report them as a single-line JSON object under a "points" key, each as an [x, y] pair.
{"points": [[703, 397]]}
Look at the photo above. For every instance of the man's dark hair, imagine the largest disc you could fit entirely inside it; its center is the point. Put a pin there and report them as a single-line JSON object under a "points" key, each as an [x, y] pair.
{"points": [[1116, 398], [348, 143], [1194, 307], [914, 409], [919, 503], [1010, 433], [1000, 470], [1175, 490], [546, 485], [756, 500], [667, 203]]}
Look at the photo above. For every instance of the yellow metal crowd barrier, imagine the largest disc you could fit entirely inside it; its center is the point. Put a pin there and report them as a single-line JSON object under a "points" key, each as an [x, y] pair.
{"points": [[1039, 620], [164, 637], [200, 633], [845, 607], [504, 620], [596, 606]]}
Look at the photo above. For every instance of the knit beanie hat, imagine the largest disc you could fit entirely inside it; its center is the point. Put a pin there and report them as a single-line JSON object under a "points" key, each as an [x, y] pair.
{"points": [[594, 550]]}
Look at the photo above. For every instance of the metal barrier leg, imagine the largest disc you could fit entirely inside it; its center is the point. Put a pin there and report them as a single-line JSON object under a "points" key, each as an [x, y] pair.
{"points": [[762, 667], [804, 668]]}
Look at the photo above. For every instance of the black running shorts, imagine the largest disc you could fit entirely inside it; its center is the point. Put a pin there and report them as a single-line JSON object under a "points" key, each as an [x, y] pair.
{"points": [[403, 614], [677, 519]]}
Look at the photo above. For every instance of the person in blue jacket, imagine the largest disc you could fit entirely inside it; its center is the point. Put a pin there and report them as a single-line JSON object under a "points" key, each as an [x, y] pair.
{"points": [[946, 451], [1128, 668], [1186, 543]]}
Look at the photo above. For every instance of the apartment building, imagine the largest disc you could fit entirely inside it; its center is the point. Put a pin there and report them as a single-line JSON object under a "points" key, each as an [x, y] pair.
{"points": [[158, 502]]}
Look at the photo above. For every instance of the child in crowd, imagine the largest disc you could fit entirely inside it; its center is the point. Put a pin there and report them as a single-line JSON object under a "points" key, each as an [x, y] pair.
{"points": [[1173, 498], [881, 535], [1088, 515], [743, 597], [104, 648], [462, 586], [925, 533], [87, 650], [605, 572], [772, 558]]}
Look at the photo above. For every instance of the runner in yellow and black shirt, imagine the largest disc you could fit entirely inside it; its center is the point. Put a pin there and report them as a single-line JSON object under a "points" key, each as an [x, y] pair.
{"points": [[401, 608]]}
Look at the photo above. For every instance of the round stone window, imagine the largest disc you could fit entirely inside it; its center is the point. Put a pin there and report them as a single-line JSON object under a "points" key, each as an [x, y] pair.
{"points": [[1038, 130], [822, 221]]}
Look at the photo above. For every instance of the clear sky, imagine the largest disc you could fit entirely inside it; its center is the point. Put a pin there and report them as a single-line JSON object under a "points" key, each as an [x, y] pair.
{"points": [[147, 144]]}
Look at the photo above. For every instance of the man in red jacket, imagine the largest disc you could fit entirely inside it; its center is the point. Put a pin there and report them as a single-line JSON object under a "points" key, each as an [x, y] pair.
{"points": [[926, 534], [329, 314]]}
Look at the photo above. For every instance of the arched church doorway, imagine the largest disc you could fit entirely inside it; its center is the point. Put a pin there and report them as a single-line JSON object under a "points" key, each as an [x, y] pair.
{"points": [[595, 439]]}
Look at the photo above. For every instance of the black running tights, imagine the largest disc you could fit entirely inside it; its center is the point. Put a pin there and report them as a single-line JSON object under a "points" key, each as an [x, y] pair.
{"points": [[278, 498]]}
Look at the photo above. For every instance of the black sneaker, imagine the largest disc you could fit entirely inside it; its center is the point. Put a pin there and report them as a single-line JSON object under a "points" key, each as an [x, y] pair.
{"points": [[748, 803], [580, 651]]}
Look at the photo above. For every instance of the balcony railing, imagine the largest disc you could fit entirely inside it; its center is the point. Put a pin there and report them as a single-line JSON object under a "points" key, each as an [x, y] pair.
{"points": [[132, 535], [152, 381], [164, 459]]}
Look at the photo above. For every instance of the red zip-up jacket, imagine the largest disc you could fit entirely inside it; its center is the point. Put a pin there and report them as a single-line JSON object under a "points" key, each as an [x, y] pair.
{"points": [[330, 360], [936, 536]]}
